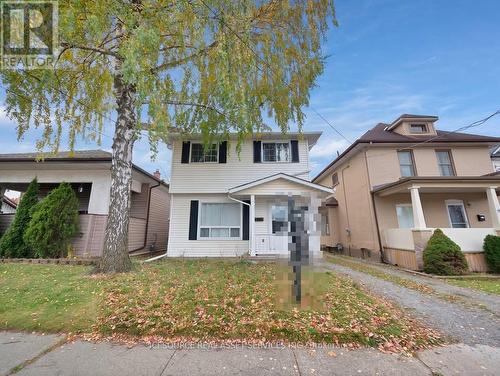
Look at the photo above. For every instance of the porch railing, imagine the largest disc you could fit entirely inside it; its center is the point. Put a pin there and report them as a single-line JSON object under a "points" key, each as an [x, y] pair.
{"points": [[469, 239]]}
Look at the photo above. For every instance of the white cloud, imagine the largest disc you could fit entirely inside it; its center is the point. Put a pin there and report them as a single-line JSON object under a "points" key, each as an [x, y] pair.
{"points": [[328, 148]]}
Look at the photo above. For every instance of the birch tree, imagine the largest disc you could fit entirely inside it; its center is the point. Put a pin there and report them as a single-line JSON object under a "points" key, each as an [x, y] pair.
{"points": [[151, 66]]}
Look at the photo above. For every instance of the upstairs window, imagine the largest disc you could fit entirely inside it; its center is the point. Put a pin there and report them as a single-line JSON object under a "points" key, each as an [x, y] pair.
{"points": [[335, 179], [406, 165], [201, 155], [275, 152], [418, 128], [445, 163]]}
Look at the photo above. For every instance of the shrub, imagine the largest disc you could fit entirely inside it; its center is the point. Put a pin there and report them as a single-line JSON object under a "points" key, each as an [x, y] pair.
{"points": [[442, 256], [12, 243], [54, 223], [491, 249]]}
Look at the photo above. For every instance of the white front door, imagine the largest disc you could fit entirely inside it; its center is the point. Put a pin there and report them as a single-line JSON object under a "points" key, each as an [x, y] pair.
{"points": [[279, 228]]}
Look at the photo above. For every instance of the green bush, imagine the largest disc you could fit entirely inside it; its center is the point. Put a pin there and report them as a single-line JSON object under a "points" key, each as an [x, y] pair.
{"points": [[12, 243], [54, 222], [442, 256], [491, 249]]}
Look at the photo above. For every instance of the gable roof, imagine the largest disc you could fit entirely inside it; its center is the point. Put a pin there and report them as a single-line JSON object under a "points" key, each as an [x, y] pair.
{"points": [[80, 156], [280, 175], [381, 134]]}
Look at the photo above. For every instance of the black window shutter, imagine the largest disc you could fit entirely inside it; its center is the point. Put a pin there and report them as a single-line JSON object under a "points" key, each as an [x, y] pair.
{"points": [[256, 151], [193, 220], [185, 152], [223, 152], [246, 221], [295, 151]]}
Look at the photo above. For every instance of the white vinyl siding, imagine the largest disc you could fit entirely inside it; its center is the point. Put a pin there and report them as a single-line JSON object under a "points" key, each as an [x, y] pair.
{"points": [[239, 169], [179, 244]]}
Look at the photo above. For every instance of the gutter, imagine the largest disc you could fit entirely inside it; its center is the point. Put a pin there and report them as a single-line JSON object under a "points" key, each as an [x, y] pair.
{"points": [[147, 220]]}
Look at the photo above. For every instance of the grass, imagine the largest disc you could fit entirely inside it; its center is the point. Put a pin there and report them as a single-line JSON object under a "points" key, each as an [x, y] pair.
{"points": [[491, 286], [204, 300], [47, 298]]}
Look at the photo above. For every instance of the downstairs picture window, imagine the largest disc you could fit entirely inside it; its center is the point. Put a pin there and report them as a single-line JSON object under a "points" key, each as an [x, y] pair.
{"points": [[220, 221]]}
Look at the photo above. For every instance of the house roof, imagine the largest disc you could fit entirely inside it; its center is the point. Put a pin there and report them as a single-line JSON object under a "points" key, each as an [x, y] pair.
{"points": [[380, 134], [76, 155], [71, 156], [312, 137], [281, 175]]}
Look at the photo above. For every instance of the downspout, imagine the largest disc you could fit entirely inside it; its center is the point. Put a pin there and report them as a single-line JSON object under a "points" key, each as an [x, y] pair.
{"points": [[147, 220], [348, 229], [378, 228], [235, 199], [372, 195]]}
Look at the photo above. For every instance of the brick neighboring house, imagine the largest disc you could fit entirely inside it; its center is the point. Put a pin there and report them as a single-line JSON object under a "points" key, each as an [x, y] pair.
{"points": [[88, 172], [399, 181]]}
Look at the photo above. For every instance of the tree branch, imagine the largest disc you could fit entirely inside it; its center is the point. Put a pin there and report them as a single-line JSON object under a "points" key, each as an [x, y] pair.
{"points": [[175, 63], [102, 51]]}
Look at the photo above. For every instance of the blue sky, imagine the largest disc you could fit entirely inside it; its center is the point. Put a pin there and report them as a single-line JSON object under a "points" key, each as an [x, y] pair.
{"points": [[387, 57]]}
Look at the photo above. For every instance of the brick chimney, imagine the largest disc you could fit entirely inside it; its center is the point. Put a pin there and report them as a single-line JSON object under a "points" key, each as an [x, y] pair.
{"points": [[157, 174]]}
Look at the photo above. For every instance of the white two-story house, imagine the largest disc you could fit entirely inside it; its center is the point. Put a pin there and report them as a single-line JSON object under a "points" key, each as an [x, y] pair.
{"points": [[229, 203]]}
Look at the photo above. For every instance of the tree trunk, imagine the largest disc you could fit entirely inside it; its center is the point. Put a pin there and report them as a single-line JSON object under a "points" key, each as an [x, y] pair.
{"points": [[115, 258]]}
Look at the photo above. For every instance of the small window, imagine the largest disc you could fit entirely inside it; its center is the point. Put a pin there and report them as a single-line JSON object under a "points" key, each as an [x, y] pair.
{"points": [[445, 163], [457, 214], [199, 154], [405, 215], [279, 219], [335, 179], [406, 165], [325, 224], [220, 220], [276, 152], [418, 128]]}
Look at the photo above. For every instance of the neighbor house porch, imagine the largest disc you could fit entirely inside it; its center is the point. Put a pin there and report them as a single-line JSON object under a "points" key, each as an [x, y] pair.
{"points": [[465, 208]]}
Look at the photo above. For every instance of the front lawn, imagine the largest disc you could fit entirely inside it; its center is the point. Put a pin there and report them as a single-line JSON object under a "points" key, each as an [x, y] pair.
{"points": [[203, 300], [491, 286]]}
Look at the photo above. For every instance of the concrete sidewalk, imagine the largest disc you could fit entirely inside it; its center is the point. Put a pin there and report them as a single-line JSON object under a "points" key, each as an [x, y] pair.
{"points": [[28, 354]]}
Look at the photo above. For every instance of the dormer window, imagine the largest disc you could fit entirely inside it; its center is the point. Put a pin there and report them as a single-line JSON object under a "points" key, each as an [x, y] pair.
{"points": [[418, 128], [201, 155]]}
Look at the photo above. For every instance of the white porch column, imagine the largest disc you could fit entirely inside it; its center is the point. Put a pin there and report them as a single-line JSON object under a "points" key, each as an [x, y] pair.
{"points": [[252, 225], [418, 212], [494, 207]]}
